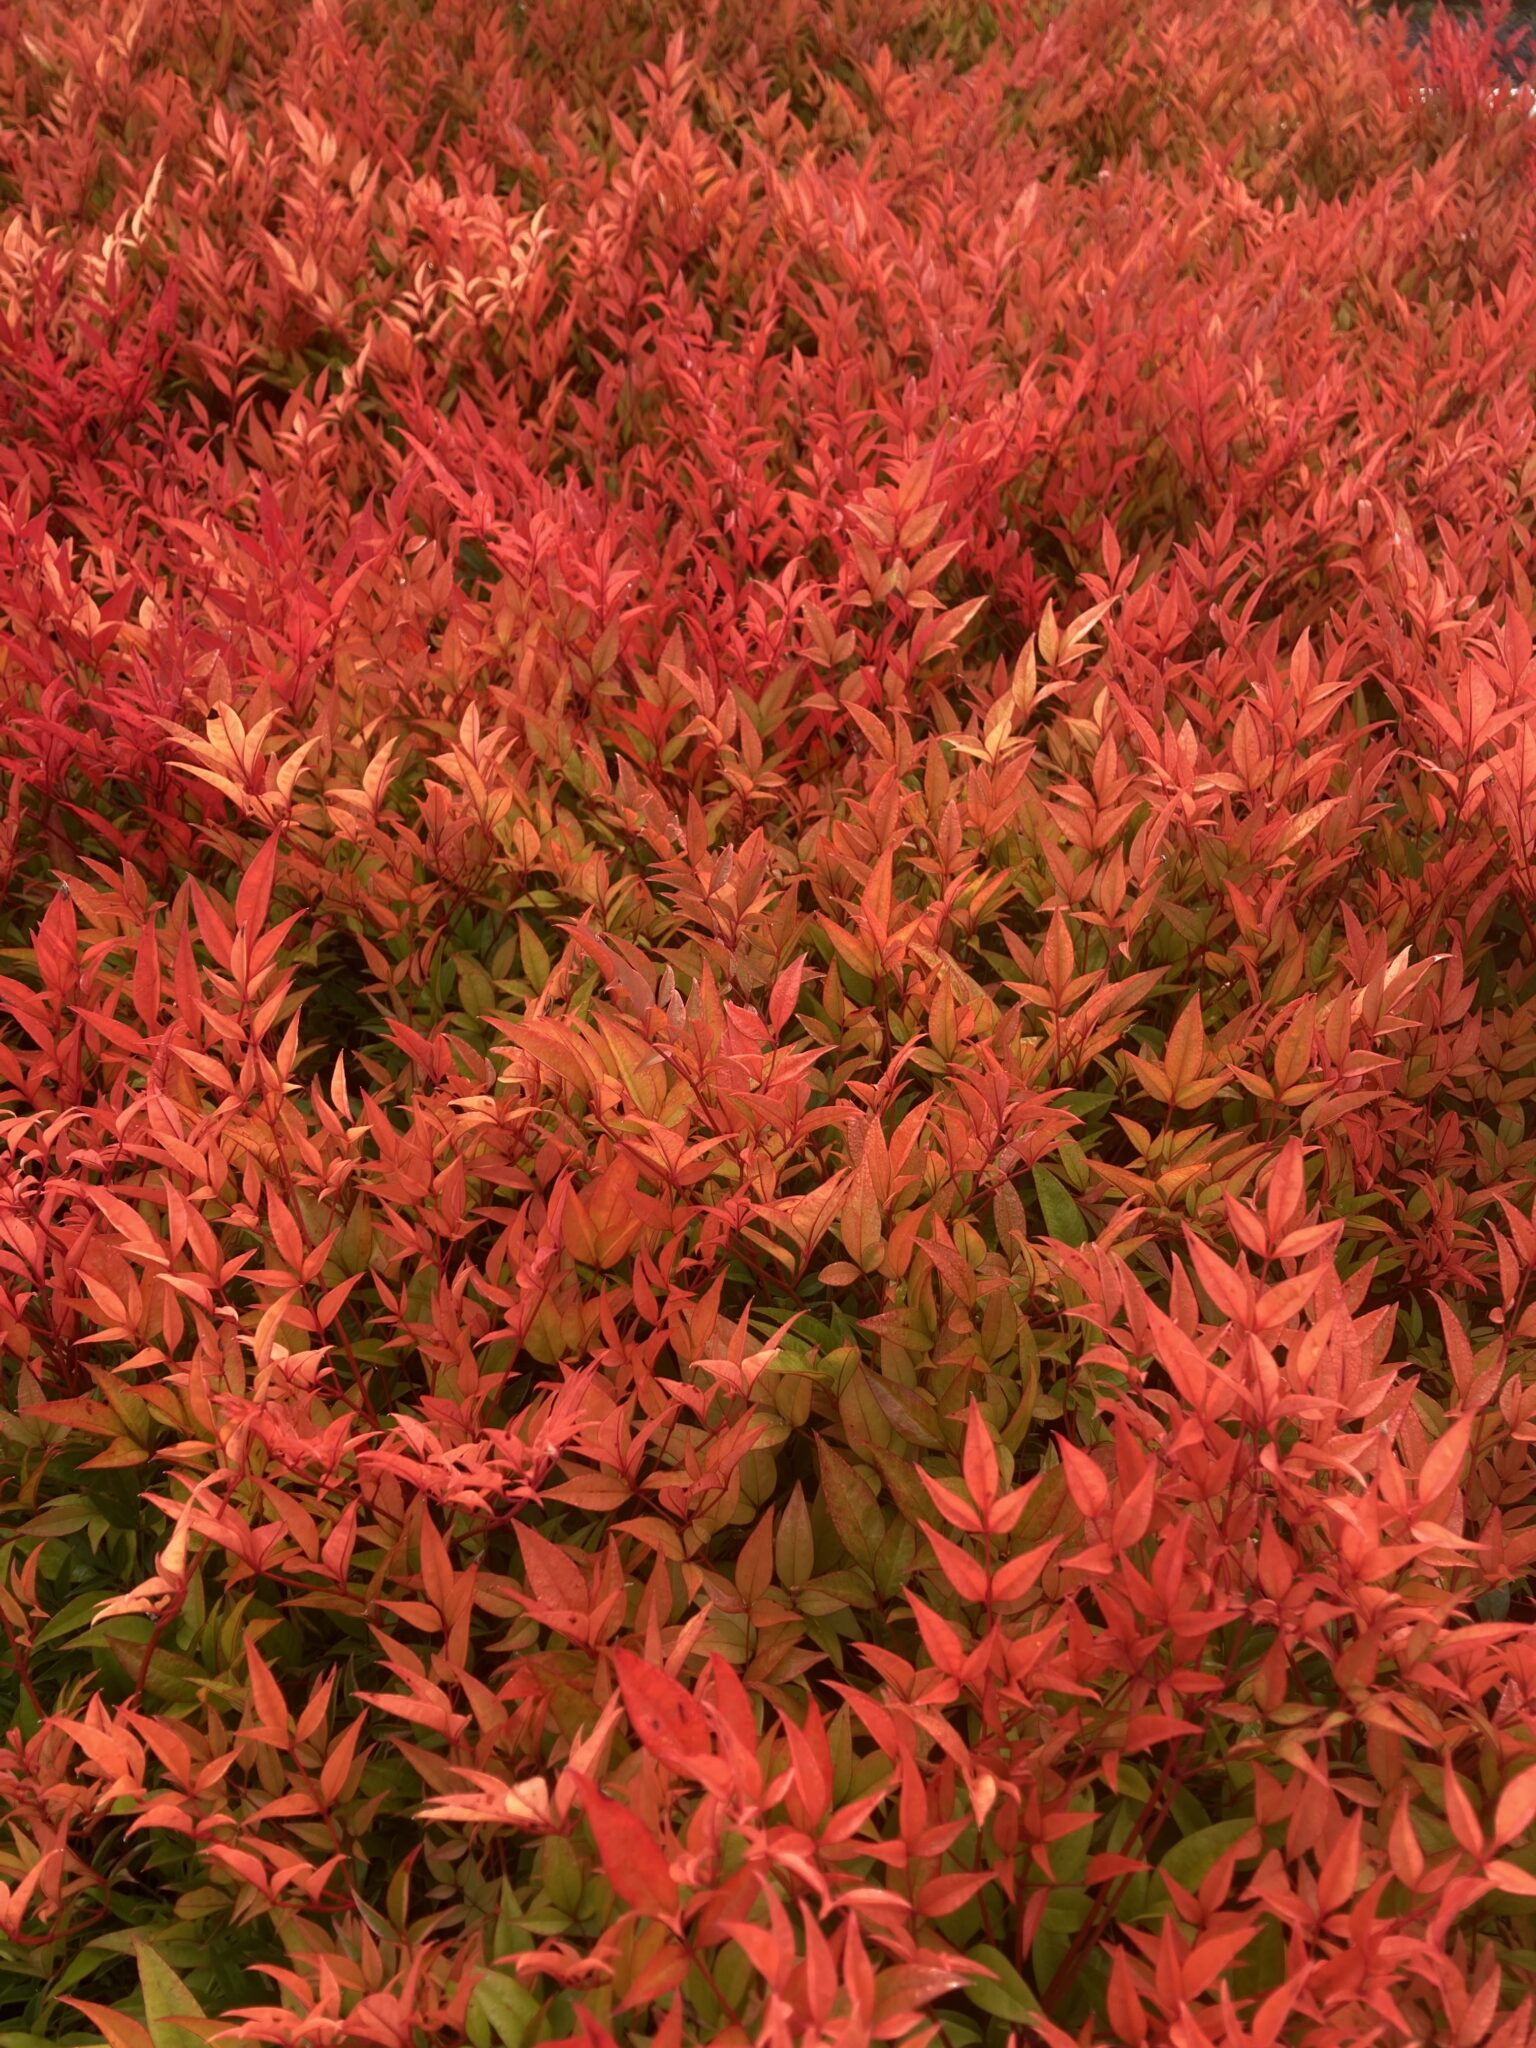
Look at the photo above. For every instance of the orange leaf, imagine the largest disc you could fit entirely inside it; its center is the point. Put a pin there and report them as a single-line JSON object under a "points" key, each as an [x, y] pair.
{"points": [[254, 895], [1184, 1057], [115, 2028], [267, 1694], [1516, 1809], [1442, 1462], [979, 1461]]}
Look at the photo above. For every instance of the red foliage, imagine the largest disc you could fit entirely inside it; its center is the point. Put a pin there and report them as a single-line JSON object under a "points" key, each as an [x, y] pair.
{"points": [[767, 1220]]}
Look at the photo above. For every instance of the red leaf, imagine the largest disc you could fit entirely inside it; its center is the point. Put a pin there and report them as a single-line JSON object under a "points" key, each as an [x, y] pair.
{"points": [[939, 1639], [1442, 1462], [1459, 1812], [632, 1859], [1085, 1482], [1403, 1850], [1210, 1958], [271, 1707], [979, 1461], [784, 996], [667, 1719], [254, 895], [1011, 1581], [1142, 1730], [962, 1570]]}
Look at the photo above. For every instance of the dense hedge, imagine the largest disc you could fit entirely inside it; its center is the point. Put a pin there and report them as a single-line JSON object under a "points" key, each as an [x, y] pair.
{"points": [[767, 1197]]}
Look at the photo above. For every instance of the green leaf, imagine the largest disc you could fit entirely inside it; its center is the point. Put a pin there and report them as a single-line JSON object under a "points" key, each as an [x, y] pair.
{"points": [[794, 1549], [476, 990], [509, 2007], [1062, 1921], [893, 1558], [1042, 1509], [1133, 1783], [851, 1503], [63, 1517], [93, 1957], [835, 1591], [1188, 1861], [1063, 1218], [900, 1481], [167, 2002], [74, 1617], [1069, 1853], [170, 1676], [909, 1412], [1010, 1998]]}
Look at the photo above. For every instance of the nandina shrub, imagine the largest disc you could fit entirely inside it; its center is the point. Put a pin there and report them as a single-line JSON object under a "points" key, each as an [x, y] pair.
{"points": [[767, 1220]]}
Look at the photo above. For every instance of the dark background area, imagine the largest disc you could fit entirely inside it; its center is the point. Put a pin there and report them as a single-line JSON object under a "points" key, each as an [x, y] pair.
{"points": [[1515, 37]]}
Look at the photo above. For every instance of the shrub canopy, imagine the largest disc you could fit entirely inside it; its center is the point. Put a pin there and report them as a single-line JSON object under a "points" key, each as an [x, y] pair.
{"points": [[767, 1205]]}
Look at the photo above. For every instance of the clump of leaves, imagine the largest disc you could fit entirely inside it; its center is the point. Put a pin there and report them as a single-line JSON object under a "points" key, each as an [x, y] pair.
{"points": [[767, 1223]]}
